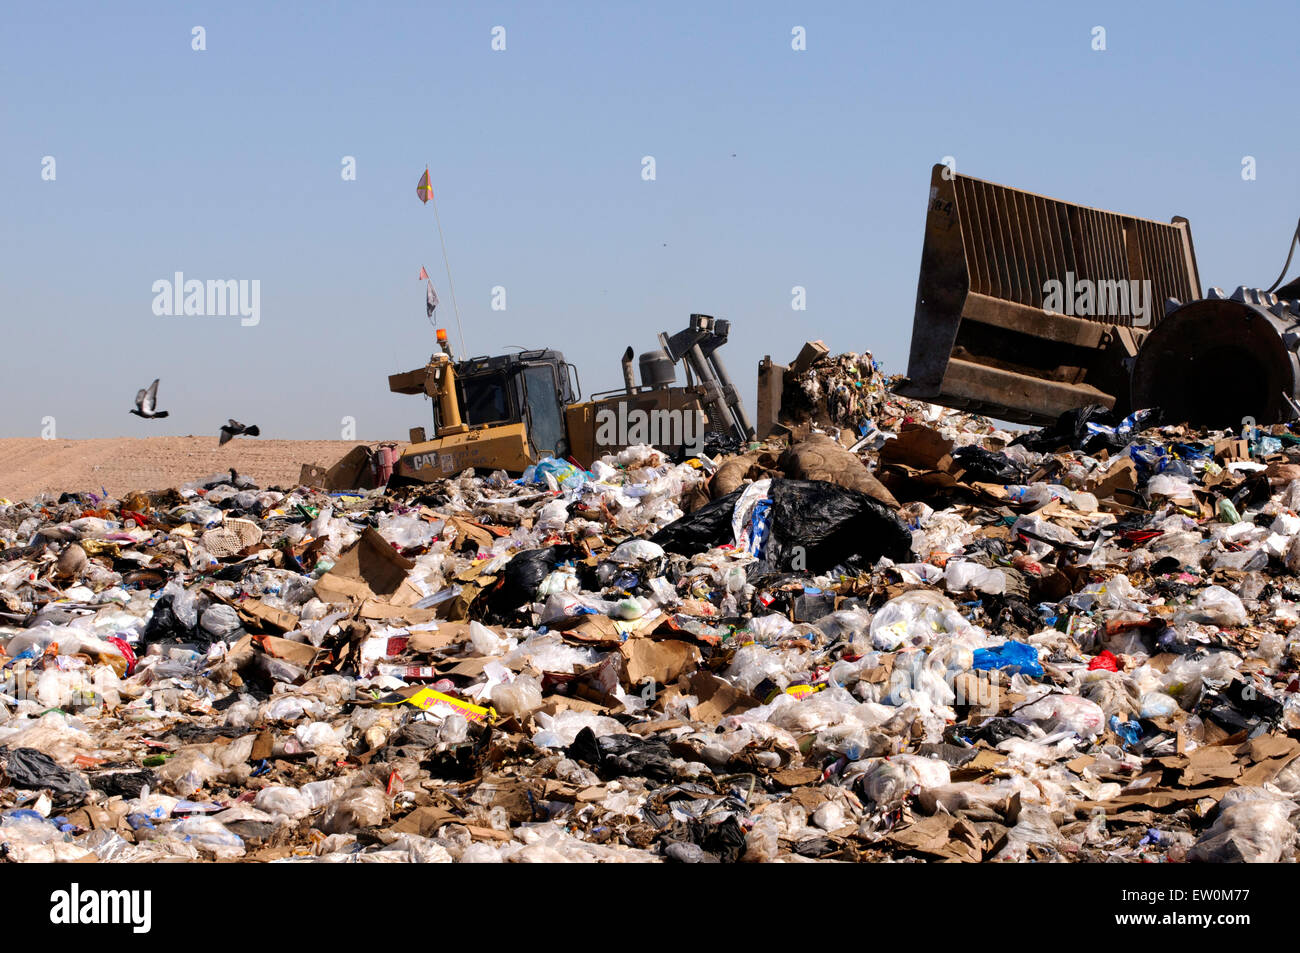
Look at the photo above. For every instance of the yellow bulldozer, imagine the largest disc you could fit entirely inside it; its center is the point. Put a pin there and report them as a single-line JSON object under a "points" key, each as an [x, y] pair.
{"points": [[508, 411]]}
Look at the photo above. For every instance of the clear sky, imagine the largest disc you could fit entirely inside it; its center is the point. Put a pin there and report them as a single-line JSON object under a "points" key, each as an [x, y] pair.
{"points": [[774, 167]]}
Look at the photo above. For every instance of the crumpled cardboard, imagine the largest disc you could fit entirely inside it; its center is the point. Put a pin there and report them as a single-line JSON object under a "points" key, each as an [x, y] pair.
{"points": [[919, 447], [298, 653], [942, 836], [717, 698], [369, 569], [658, 661], [258, 615], [466, 532]]}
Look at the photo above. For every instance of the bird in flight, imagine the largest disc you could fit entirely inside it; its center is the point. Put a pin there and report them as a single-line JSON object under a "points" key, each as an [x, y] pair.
{"points": [[234, 428], [145, 402]]}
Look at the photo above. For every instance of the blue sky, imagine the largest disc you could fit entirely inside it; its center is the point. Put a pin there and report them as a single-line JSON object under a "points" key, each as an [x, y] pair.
{"points": [[225, 163]]}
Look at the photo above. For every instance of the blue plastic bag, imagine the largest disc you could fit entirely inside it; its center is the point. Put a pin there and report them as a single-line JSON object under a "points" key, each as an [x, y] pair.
{"points": [[1149, 460], [1130, 732], [760, 527], [1017, 657], [566, 475]]}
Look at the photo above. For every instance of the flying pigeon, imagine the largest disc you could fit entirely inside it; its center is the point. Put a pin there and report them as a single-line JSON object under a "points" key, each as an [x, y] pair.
{"points": [[146, 401], [234, 428]]}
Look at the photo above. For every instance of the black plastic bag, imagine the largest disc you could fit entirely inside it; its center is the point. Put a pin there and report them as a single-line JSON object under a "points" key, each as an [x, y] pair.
{"points": [[813, 526], [164, 626], [701, 530], [127, 784], [816, 525], [986, 466], [1071, 430], [29, 768], [810, 607], [989, 545], [717, 443], [617, 756], [996, 730], [523, 574]]}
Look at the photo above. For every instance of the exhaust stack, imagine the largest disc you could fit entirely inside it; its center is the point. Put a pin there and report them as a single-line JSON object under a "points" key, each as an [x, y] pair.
{"points": [[629, 379]]}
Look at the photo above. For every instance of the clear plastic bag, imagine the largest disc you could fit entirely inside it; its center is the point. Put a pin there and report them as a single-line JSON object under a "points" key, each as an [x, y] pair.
{"points": [[762, 842], [1034, 827], [518, 697], [1186, 678], [1220, 606], [1057, 712], [189, 772], [318, 734], [918, 617], [408, 532], [1157, 705], [356, 808], [283, 800], [887, 781], [636, 551], [560, 730], [1253, 826], [207, 835], [553, 516], [960, 575], [1170, 486], [221, 621]]}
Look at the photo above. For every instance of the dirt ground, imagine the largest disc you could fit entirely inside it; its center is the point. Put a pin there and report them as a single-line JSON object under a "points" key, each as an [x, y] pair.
{"points": [[29, 466]]}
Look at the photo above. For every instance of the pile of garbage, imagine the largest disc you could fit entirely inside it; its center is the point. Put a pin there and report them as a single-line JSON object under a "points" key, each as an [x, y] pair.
{"points": [[950, 642], [844, 391]]}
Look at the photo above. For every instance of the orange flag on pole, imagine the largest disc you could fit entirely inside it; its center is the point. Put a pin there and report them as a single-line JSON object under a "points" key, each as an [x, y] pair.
{"points": [[424, 190], [423, 274]]}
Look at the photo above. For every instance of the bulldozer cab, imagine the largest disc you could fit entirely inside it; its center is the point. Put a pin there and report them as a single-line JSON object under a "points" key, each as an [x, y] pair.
{"points": [[529, 387], [507, 412]]}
